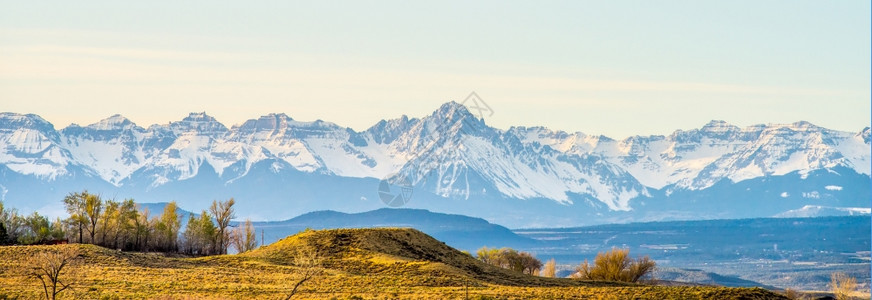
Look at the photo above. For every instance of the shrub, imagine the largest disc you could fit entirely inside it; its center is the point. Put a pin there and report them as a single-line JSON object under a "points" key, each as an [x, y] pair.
{"points": [[843, 285], [615, 265], [550, 269]]}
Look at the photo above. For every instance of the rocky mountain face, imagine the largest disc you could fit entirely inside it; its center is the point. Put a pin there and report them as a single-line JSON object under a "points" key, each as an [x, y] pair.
{"points": [[454, 162]]}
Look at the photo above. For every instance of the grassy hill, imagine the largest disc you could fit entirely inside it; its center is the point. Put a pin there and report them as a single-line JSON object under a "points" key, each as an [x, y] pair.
{"points": [[385, 263], [401, 252], [458, 231]]}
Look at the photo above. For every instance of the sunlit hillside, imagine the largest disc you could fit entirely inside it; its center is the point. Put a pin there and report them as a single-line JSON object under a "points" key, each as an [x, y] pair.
{"points": [[346, 264]]}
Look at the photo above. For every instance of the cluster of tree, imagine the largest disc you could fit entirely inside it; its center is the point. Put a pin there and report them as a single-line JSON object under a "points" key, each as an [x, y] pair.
{"points": [[122, 225], [615, 265], [32, 229], [511, 259], [202, 236]]}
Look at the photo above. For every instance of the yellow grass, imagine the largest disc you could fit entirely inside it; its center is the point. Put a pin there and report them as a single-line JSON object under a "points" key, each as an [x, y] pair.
{"points": [[365, 263]]}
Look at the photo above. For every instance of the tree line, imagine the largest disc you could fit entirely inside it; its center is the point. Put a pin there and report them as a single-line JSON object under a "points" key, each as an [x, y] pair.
{"points": [[613, 265], [123, 225]]}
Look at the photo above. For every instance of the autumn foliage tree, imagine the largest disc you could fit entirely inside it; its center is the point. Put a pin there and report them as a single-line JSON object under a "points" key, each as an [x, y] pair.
{"points": [[75, 205], [15, 225], [615, 265], [200, 235], [550, 269], [166, 229], [119, 225], [122, 225], [93, 206], [38, 229], [509, 258]]}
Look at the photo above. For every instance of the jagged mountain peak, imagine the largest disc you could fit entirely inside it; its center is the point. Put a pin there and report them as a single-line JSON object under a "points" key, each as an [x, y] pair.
{"points": [[15, 121], [454, 119], [114, 122], [864, 134], [198, 116], [284, 125], [719, 126], [402, 120], [452, 111], [271, 123], [278, 116], [801, 126], [542, 131], [199, 123], [449, 152], [804, 125], [716, 130], [30, 145], [387, 131]]}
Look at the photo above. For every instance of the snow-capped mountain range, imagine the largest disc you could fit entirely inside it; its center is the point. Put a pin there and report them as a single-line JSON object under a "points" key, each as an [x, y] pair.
{"points": [[454, 160]]}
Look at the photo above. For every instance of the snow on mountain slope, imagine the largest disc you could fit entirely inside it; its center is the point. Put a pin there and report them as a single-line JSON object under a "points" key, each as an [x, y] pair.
{"points": [[317, 146], [855, 150], [277, 134], [453, 146], [450, 153], [776, 149], [31, 146], [544, 173], [199, 140], [111, 147], [823, 211], [699, 158]]}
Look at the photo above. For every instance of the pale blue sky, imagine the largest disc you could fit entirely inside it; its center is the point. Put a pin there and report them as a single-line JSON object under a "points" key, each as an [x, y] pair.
{"points": [[601, 67]]}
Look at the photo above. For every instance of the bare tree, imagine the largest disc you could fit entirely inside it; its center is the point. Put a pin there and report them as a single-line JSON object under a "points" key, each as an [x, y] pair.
{"points": [[792, 294], [143, 228], [640, 267], [223, 212], [47, 267], [550, 269], [309, 264], [843, 285], [243, 237]]}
